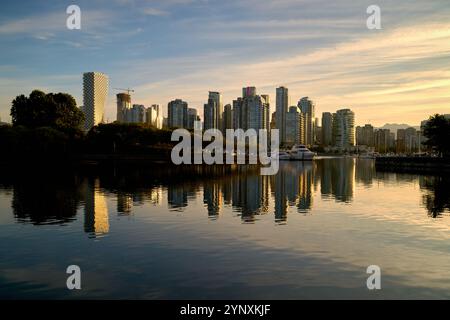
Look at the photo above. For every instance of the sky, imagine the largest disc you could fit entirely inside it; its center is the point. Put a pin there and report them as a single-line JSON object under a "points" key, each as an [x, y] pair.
{"points": [[184, 48]]}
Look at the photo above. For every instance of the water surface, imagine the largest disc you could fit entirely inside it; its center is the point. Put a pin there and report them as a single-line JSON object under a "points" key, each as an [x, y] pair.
{"points": [[158, 233]]}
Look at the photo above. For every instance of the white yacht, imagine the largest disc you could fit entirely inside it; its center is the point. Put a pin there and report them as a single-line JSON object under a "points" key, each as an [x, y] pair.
{"points": [[301, 152], [298, 152], [284, 155]]}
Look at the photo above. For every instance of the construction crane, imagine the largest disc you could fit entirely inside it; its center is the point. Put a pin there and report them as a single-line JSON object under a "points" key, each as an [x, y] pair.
{"points": [[127, 90]]}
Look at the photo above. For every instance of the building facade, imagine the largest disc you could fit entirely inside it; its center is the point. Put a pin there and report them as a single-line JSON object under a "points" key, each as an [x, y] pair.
{"points": [[327, 129], [281, 108], [344, 129], [213, 111], [177, 114], [95, 93], [228, 117], [293, 127], [192, 118], [123, 106], [307, 107], [365, 136], [153, 116]]}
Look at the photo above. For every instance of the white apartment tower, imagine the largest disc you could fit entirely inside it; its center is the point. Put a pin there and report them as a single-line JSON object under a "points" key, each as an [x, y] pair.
{"points": [[95, 93], [344, 129]]}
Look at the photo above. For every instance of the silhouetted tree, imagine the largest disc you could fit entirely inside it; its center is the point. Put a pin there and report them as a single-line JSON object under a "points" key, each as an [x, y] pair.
{"points": [[437, 131], [46, 110], [127, 138]]}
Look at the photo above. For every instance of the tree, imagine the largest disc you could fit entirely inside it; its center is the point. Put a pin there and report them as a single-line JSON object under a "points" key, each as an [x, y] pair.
{"points": [[57, 111], [127, 138], [437, 131]]}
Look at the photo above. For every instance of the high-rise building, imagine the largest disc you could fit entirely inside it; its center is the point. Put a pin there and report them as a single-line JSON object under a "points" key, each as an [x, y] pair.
{"points": [[281, 108], [365, 136], [213, 111], [273, 124], [95, 93], [238, 116], [192, 117], [253, 111], [293, 126], [308, 109], [383, 140], [327, 129], [123, 106], [401, 140], [153, 116], [344, 129], [228, 117], [411, 140], [177, 114], [136, 114], [265, 100], [317, 132]]}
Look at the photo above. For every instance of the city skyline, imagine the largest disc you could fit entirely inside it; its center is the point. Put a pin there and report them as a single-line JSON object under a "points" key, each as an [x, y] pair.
{"points": [[173, 50]]}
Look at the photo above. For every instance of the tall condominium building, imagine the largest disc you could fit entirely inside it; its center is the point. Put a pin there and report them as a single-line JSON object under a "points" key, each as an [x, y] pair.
{"points": [[273, 120], [317, 132], [365, 136], [213, 111], [251, 111], [265, 100], [136, 114], [123, 106], [401, 138], [248, 92], [408, 140], [383, 140], [177, 114], [238, 113], [308, 109], [95, 93], [228, 117], [344, 129], [192, 117], [153, 116], [281, 108], [327, 129], [293, 120]]}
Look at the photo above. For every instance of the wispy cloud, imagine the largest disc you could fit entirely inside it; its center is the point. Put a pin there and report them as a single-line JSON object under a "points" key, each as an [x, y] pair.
{"points": [[317, 48], [155, 12], [54, 22]]}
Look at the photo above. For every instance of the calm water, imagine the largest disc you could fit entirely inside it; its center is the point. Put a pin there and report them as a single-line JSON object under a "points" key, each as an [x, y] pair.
{"points": [[309, 232]]}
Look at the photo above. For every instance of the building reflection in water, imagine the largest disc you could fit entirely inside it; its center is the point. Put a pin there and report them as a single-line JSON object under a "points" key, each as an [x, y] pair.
{"points": [[212, 198], [96, 217], [337, 178], [177, 197], [124, 203], [248, 193], [292, 187]]}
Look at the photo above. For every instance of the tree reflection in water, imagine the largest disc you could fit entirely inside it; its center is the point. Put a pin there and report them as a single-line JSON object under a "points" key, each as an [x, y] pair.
{"points": [[436, 197]]}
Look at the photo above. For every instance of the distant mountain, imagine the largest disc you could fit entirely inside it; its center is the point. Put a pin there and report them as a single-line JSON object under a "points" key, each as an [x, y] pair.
{"points": [[395, 126]]}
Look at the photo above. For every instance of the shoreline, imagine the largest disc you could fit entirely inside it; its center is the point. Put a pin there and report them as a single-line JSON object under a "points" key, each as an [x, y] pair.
{"points": [[413, 164]]}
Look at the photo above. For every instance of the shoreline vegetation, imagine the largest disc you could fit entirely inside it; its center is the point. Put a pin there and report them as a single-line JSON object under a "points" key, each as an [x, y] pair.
{"points": [[46, 128]]}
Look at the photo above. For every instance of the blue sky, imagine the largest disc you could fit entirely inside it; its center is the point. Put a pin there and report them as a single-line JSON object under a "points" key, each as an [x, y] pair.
{"points": [[185, 48]]}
